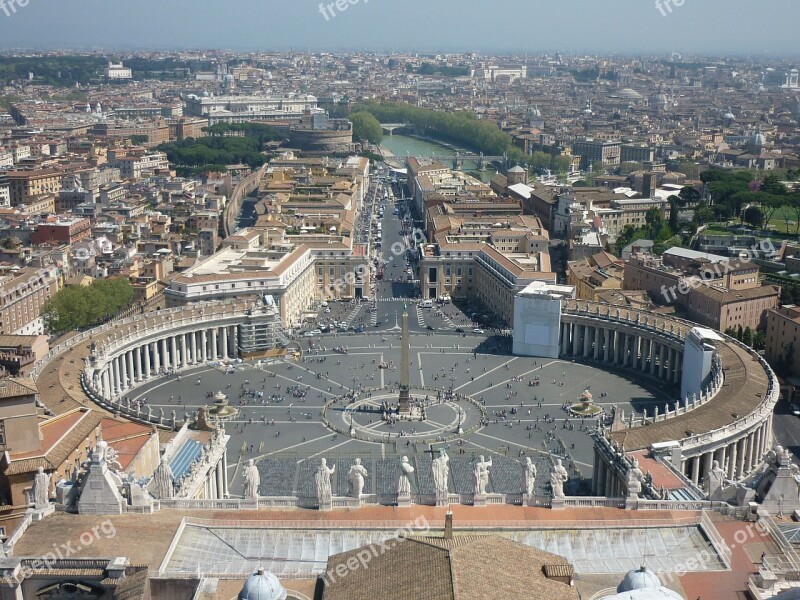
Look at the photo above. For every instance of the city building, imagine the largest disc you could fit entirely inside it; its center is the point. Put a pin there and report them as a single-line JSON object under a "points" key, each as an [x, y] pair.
{"points": [[23, 292], [116, 70]]}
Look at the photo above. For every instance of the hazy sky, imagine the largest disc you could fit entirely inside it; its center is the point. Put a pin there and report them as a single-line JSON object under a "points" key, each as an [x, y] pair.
{"points": [[750, 27]]}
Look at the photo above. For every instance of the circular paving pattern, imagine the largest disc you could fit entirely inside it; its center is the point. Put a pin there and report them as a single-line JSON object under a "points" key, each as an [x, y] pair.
{"points": [[437, 416]]}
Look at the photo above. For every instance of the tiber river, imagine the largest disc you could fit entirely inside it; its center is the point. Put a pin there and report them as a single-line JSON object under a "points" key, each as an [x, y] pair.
{"points": [[402, 146]]}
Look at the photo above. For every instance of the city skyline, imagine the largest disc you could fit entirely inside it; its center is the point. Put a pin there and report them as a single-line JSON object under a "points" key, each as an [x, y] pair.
{"points": [[639, 27]]}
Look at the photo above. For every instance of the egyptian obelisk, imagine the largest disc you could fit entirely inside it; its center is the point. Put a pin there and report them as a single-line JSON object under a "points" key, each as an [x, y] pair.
{"points": [[405, 408]]}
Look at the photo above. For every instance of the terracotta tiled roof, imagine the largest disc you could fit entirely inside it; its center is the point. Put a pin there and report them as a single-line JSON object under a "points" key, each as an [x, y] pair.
{"points": [[470, 567], [54, 456], [12, 387]]}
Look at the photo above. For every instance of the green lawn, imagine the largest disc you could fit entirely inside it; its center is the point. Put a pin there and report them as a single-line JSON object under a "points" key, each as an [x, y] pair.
{"points": [[779, 221]]}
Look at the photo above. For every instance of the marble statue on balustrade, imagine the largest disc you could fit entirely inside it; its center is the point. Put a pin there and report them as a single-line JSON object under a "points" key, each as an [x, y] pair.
{"points": [[530, 476], [41, 489], [714, 481], [634, 480], [558, 477], [322, 479], [355, 479], [441, 474], [404, 481], [480, 473], [252, 479], [164, 480]]}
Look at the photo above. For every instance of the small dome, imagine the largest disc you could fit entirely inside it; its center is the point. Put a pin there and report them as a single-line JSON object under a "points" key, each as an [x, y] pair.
{"points": [[262, 585], [629, 94], [640, 579]]}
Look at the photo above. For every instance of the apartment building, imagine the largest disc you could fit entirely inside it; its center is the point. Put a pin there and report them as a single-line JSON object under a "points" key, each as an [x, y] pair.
{"points": [[26, 185], [718, 293], [244, 268], [782, 342], [594, 275], [597, 151], [22, 295], [64, 230], [420, 182], [135, 167]]}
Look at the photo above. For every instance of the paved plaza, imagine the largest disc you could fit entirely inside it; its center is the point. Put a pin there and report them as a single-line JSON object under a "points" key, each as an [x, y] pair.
{"points": [[502, 415]]}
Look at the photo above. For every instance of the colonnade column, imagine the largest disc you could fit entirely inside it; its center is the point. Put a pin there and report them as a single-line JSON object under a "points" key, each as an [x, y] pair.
{"points": [[224, 343], [115, 367], [164, 354], [123, 363], [731, 470], [173, 342], [106, 379], [138, 357], [220, 485], [586, 331], [193, 344], [708, 457], [156, 359], [575, 337], [696, 470], [234, 337], [184, 358], [204, 346], [596, 331], [652, 354], [757, 448], [146, 357], [214, 347], [131, 371]]}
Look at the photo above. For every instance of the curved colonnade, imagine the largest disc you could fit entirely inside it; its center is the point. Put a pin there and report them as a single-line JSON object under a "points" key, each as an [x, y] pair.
{"points": [[730, 422]]}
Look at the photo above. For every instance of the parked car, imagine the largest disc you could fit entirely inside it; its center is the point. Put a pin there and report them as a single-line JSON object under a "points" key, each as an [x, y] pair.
{"points": [[795, 409], [477, 330]]}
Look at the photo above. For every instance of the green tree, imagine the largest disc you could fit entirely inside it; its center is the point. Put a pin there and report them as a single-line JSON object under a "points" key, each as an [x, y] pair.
{"points": [[76, 307], [673, 214], [759, 340], [747, 337], [753, 216], [366, 127], [655, 221], [561, 163], [703, 214], [138, 140], [689, 195]]}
